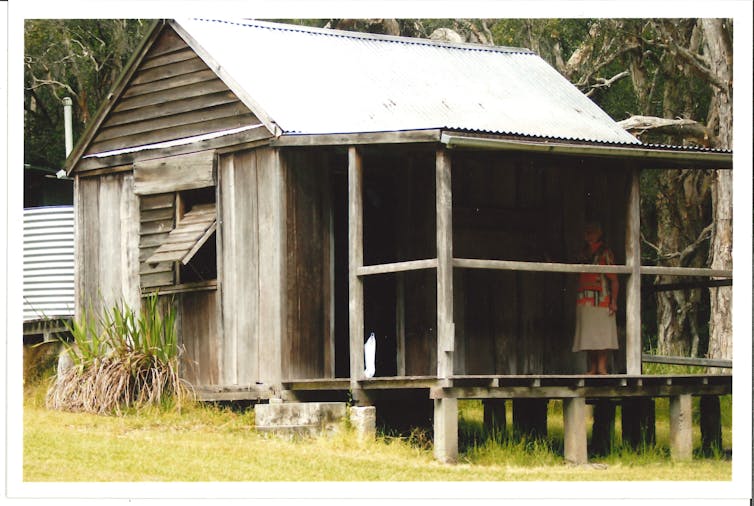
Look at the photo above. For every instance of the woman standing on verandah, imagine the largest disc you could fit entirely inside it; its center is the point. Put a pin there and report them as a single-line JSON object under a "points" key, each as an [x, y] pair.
{"points": [[596, 303]]}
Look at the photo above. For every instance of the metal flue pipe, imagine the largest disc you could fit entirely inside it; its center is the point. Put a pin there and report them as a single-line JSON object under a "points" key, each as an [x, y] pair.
{"points": [[68, 119]]}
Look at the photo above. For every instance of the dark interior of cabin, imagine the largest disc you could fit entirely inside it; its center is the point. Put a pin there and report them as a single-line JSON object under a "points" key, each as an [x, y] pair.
{"points": [[506, 206]]}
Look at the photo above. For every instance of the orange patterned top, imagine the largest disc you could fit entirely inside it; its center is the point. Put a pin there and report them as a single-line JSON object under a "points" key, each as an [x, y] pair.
{"points": [[594, 289]]}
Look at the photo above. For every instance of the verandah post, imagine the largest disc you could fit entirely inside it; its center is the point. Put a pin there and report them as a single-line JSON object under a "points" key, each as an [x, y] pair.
{"points": [[355, 260], [633, 288], [446, 410]]}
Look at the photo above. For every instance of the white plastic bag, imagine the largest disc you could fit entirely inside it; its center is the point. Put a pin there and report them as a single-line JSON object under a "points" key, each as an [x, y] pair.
{"points": [[369, 349]]}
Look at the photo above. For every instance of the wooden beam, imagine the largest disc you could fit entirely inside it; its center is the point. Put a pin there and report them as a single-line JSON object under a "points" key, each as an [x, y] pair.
{"points": [[444, 235], [633, 284], [563, 392], [400, 325], [412, 265], [685, 271], [680, 427], [446, 409], [574, 430], [702, 362], [355, 261], [510, 265], [690, 285], [407, 136], [446, 430]]}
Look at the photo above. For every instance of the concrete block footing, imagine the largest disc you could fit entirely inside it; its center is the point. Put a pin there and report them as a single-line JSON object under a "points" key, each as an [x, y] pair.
{"points": [[364, 421], [300, 418]]}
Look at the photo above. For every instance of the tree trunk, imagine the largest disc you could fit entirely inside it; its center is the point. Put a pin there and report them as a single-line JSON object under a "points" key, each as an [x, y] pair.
{"points": [[719, 49], [681, 218]]}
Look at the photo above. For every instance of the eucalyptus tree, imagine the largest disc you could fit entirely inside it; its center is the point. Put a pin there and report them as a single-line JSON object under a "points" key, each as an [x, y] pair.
{"points": [[78, 58]]}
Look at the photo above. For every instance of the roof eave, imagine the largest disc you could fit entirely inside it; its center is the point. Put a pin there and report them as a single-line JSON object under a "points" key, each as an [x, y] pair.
{"points": [[649, 157]]}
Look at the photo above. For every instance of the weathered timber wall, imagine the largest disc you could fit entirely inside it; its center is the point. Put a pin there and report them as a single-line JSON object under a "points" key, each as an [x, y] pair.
{"points": [[107, 242], [507, 207], [309, 341], [251, 266], [172, 95]]}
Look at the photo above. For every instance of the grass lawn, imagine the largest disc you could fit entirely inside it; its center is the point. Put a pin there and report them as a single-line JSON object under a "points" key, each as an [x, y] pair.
{"points": [[207, 443]]}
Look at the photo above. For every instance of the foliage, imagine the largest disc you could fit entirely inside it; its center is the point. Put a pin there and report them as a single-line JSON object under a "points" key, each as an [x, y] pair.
{"points": [[120, 361], [79, 58]]}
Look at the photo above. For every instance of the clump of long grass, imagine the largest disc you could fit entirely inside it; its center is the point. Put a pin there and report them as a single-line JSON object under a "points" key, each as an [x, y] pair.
{"points": [[120, 361]]}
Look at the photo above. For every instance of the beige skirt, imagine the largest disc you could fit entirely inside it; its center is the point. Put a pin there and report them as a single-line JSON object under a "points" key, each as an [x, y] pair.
{"points": [[595, 329]]}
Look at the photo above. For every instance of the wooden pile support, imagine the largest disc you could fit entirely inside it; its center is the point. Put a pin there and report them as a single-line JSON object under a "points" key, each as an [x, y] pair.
{"points": [[530, 394]]}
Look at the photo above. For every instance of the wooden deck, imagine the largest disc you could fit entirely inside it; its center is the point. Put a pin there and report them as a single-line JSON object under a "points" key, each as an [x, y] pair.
{"points": [[533, 386], [541, 386]]}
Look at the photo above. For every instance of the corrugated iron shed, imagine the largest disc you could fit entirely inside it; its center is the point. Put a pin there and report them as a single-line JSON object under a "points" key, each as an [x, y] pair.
{"points": [[48, 263], [318, 81]]}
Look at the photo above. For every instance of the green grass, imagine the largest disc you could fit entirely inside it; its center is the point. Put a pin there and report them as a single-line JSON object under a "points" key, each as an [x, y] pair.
{"points": [[208, 443]]}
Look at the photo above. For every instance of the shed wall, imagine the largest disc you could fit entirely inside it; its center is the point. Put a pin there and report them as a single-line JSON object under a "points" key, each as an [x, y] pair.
{"points": [[107, 242], [251, 266]]}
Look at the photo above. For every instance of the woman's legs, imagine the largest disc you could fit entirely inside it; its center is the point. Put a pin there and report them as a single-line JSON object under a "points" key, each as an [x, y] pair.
{"points": [[601, 361], [591, 356]]}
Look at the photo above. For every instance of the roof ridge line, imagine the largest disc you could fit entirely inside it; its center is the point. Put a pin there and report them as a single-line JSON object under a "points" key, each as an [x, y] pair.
{"points": [[395, 39]]}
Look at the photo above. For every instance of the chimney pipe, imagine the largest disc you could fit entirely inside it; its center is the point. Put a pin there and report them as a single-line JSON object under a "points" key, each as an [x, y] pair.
{"points": [[68, 118]]}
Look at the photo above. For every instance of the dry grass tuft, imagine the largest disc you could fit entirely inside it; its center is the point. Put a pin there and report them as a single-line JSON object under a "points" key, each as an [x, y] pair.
{"points": [[121, 361]]}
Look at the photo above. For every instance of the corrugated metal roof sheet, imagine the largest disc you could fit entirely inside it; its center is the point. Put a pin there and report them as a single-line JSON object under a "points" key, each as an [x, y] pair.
{"points": [[48, 263], [317, 81]]}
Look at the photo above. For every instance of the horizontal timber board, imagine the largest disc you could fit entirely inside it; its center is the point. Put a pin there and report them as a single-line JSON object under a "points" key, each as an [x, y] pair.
{"points": [[685, 271], [170, 95], [173, 56], [555, 392], [94, 163], [408, 136], [158, 123], [147, 202], [156, 227], [199, 76], [510, 265], [169, 70], [159, 214], [198, 126], [411, 265], [171, 108], [703, 362]]}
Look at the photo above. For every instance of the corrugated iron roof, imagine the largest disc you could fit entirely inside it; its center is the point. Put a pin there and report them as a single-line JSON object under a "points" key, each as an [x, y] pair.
{"points": [[318, 81]]}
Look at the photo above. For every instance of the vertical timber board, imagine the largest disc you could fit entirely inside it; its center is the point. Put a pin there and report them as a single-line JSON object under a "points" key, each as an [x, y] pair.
{"points": [[531, 289], [228, 280], [444, 203], [110, 238], [87, 258], [556, 339], [308, 266], [573, 219], [245, 270], [130, 225], [328, 267], [355, 260], [270, 184], [633, 288], [199, 328], [505, 292]]}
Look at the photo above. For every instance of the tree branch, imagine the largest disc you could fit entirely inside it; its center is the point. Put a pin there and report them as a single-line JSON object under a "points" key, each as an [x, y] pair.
{"points": [[683, 128], [606, 83], [704, 235]]}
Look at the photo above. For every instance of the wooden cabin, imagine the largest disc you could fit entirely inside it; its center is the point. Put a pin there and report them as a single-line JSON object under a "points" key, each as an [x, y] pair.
{"points": [[294, 189]]}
